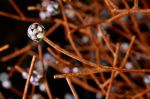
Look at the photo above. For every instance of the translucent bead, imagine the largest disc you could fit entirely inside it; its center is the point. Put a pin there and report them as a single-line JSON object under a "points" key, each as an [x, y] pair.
{"points": [[36, 32]]}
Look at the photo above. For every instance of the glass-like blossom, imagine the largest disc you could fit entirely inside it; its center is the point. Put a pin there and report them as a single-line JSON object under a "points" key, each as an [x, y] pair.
{"points": [[36, 32]]}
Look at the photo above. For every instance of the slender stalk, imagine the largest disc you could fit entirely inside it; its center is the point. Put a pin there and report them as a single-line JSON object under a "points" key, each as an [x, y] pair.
{"points": [[72, 88], [17, 9], [28, 78], [4, 47]]}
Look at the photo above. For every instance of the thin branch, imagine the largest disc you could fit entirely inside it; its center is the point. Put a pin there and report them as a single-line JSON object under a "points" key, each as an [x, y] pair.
{"points": [[72, 88], [28, 78], [141, 93], [4, 47], [17, 9], [113, 72]]}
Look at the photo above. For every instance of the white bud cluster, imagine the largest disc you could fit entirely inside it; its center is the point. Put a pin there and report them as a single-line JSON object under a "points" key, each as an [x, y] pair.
{"points": [[51, 9], [36, 78]]}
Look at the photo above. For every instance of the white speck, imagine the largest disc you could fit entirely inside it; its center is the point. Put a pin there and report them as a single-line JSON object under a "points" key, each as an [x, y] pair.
{"points": [[99, 95], [124, 45], [85, 39], [42, 15], [66, 70], [69, 13], [99, 36], [68, 96], [129, 65], [75, 69], [24, 75], [50, 8], [9, 68], [47, 15], [57, 62], [35, 96], [42, 87], [147, 79], [6, 84]]}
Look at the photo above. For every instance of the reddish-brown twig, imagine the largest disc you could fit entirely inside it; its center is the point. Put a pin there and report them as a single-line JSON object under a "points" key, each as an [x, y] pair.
{"points": [[17, 9], [141, 93], [72, 88], [44, 74], [113, 72], [4, 47], [28, 78], [1, 96]]}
